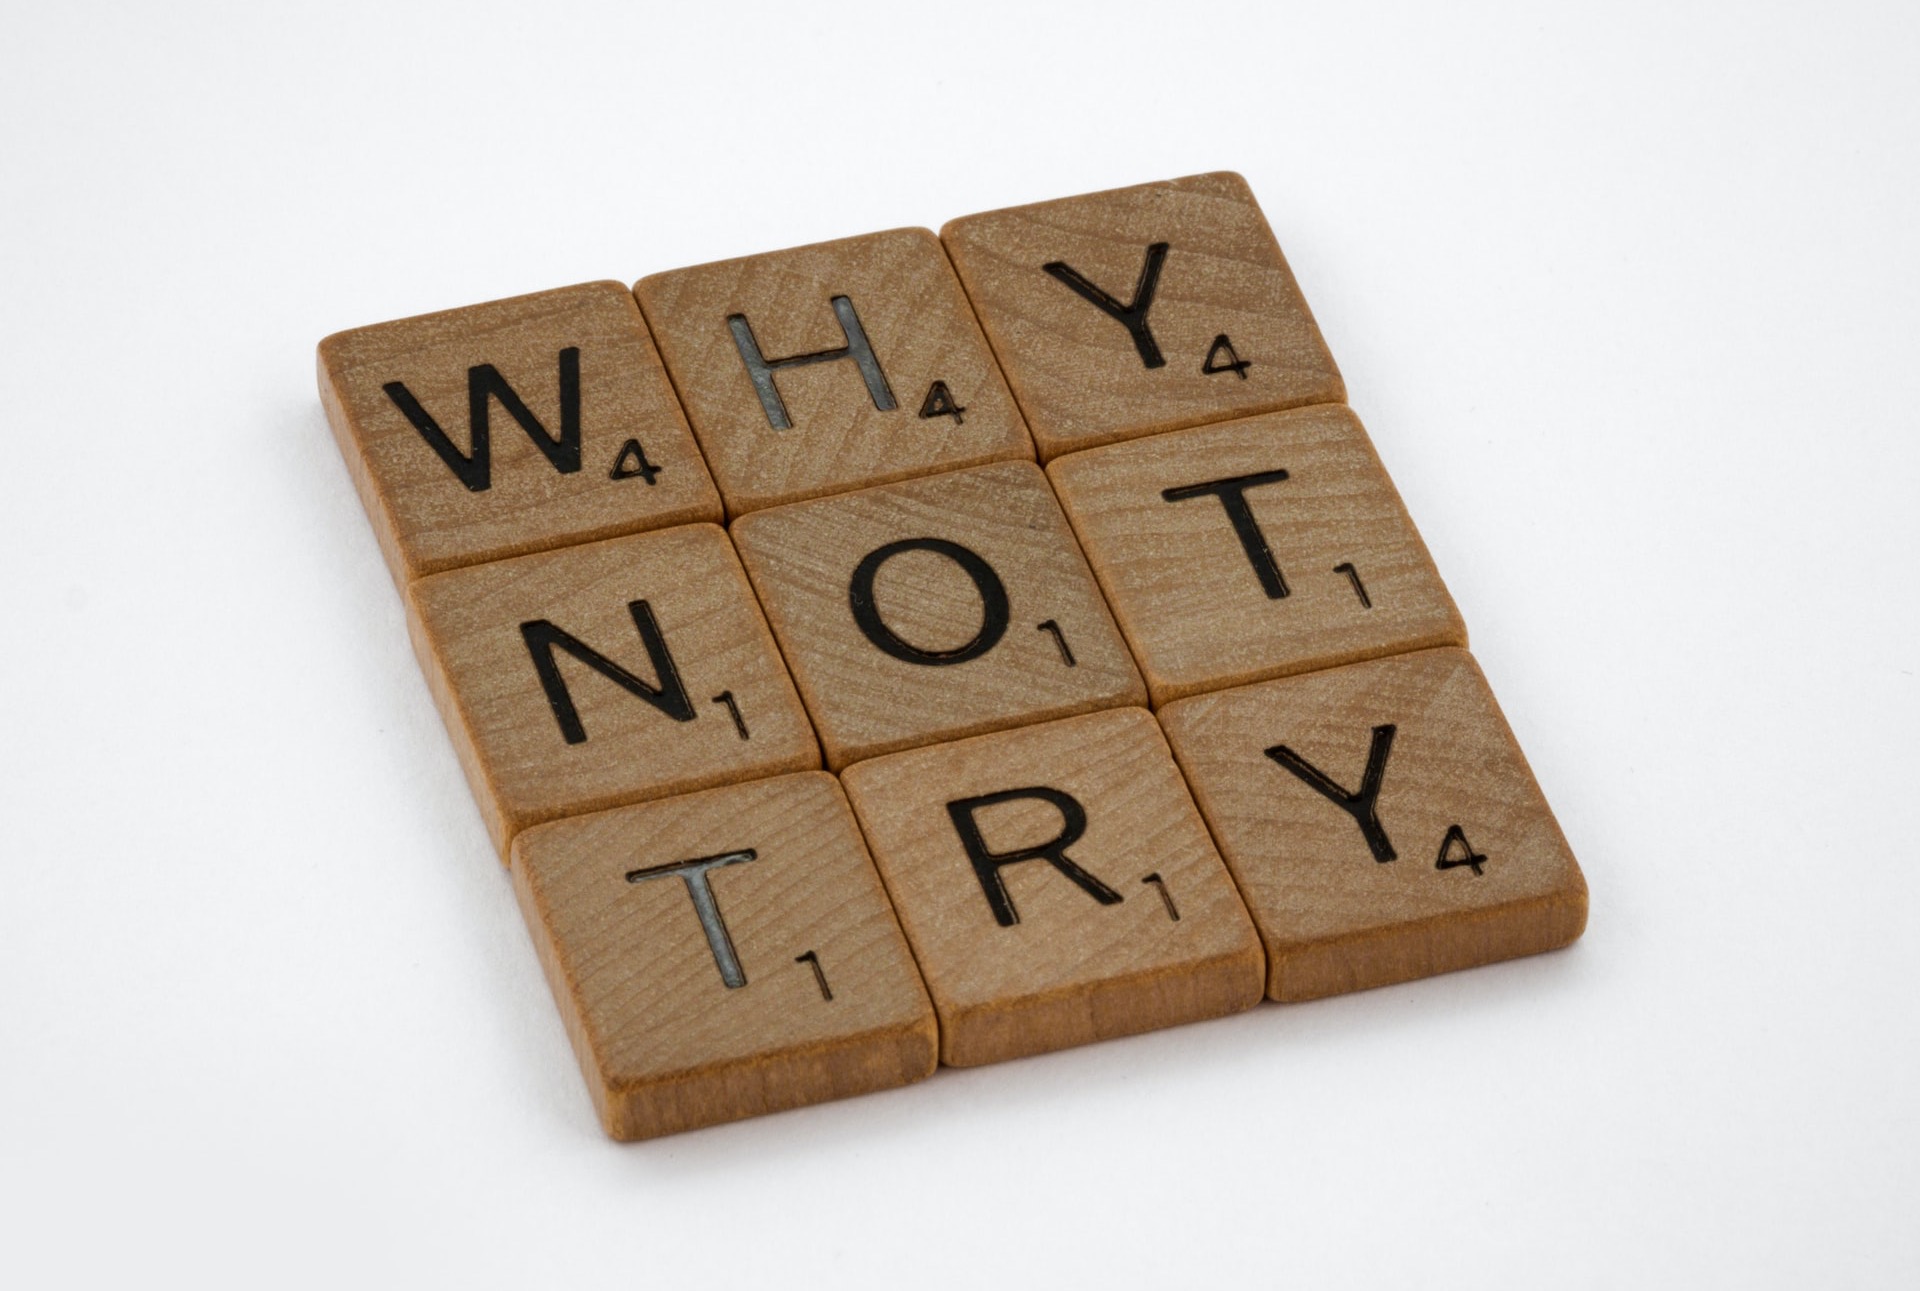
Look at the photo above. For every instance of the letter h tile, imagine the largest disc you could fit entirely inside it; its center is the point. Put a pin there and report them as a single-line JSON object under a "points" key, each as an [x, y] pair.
{"points": [[882, 373]]}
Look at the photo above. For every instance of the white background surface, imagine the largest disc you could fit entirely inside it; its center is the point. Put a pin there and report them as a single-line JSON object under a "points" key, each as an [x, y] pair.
{"points": [[1628, 301]]}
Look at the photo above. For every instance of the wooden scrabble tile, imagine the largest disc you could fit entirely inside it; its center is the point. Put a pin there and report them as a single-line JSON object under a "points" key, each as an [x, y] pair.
{"points": [[1381, 823], [606, 674], [511, 427], [829, 367], [1252, 549], [723, 954], [935, 609], [1141, 310], [1057, 885]]}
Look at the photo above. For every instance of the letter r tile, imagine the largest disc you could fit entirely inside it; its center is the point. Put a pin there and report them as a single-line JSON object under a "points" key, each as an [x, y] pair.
{"points": [[511, 427], [1252, 549], [935, 609], [1141, 310], [830, 367], [605, 674], [1057, 885], [1380, 822], [723, 954]]}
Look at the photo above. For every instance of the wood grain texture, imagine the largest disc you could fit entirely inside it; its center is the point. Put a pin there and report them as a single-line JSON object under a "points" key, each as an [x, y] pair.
{"points": [[827, 1003], [1072, 968], [468, 631], [1197, 607], [803, 560], [1079, 376], [920, 328], [426, 517], [1334, 915]]}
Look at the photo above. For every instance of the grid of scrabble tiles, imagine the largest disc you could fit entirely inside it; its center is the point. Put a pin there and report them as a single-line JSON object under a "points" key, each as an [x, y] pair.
{"points": [[1051, 538]]}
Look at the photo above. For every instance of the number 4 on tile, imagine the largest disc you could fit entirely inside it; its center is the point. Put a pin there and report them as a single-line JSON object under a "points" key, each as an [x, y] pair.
{"points": [[1232, 362], [940, 403], [631, 462], [1450, 859]]}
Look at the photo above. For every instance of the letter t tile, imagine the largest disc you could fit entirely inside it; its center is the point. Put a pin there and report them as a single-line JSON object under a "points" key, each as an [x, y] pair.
{"points": [[723, 954], [1253, 549]]}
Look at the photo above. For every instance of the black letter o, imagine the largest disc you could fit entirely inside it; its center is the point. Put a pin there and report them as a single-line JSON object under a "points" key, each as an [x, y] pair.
{"points": [[993, 602]]}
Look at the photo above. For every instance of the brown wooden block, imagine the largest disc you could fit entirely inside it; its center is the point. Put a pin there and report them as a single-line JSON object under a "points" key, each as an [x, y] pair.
{"points": [[511, 427], [1252, 549], [829, 367], [1057, 885], [723, 954], [1140, 310], [606, 674], [935, 609], [1381, 823]]}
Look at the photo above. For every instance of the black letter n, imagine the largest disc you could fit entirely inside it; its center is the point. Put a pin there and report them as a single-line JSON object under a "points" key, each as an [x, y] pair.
{"points": [[670, 696], [484, 385]]}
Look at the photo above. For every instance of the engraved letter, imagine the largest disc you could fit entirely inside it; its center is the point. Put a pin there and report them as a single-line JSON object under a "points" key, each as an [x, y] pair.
{"points": [[694, 872], [1361, 806], [484, 385], [761, 369], [987, 862], [1232, 493], [1133, 314], [994, 610], [670, 696]]}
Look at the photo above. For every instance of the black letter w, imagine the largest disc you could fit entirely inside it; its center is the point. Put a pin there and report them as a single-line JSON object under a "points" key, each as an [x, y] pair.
{"points": [[484, 385], [670, 696]]}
